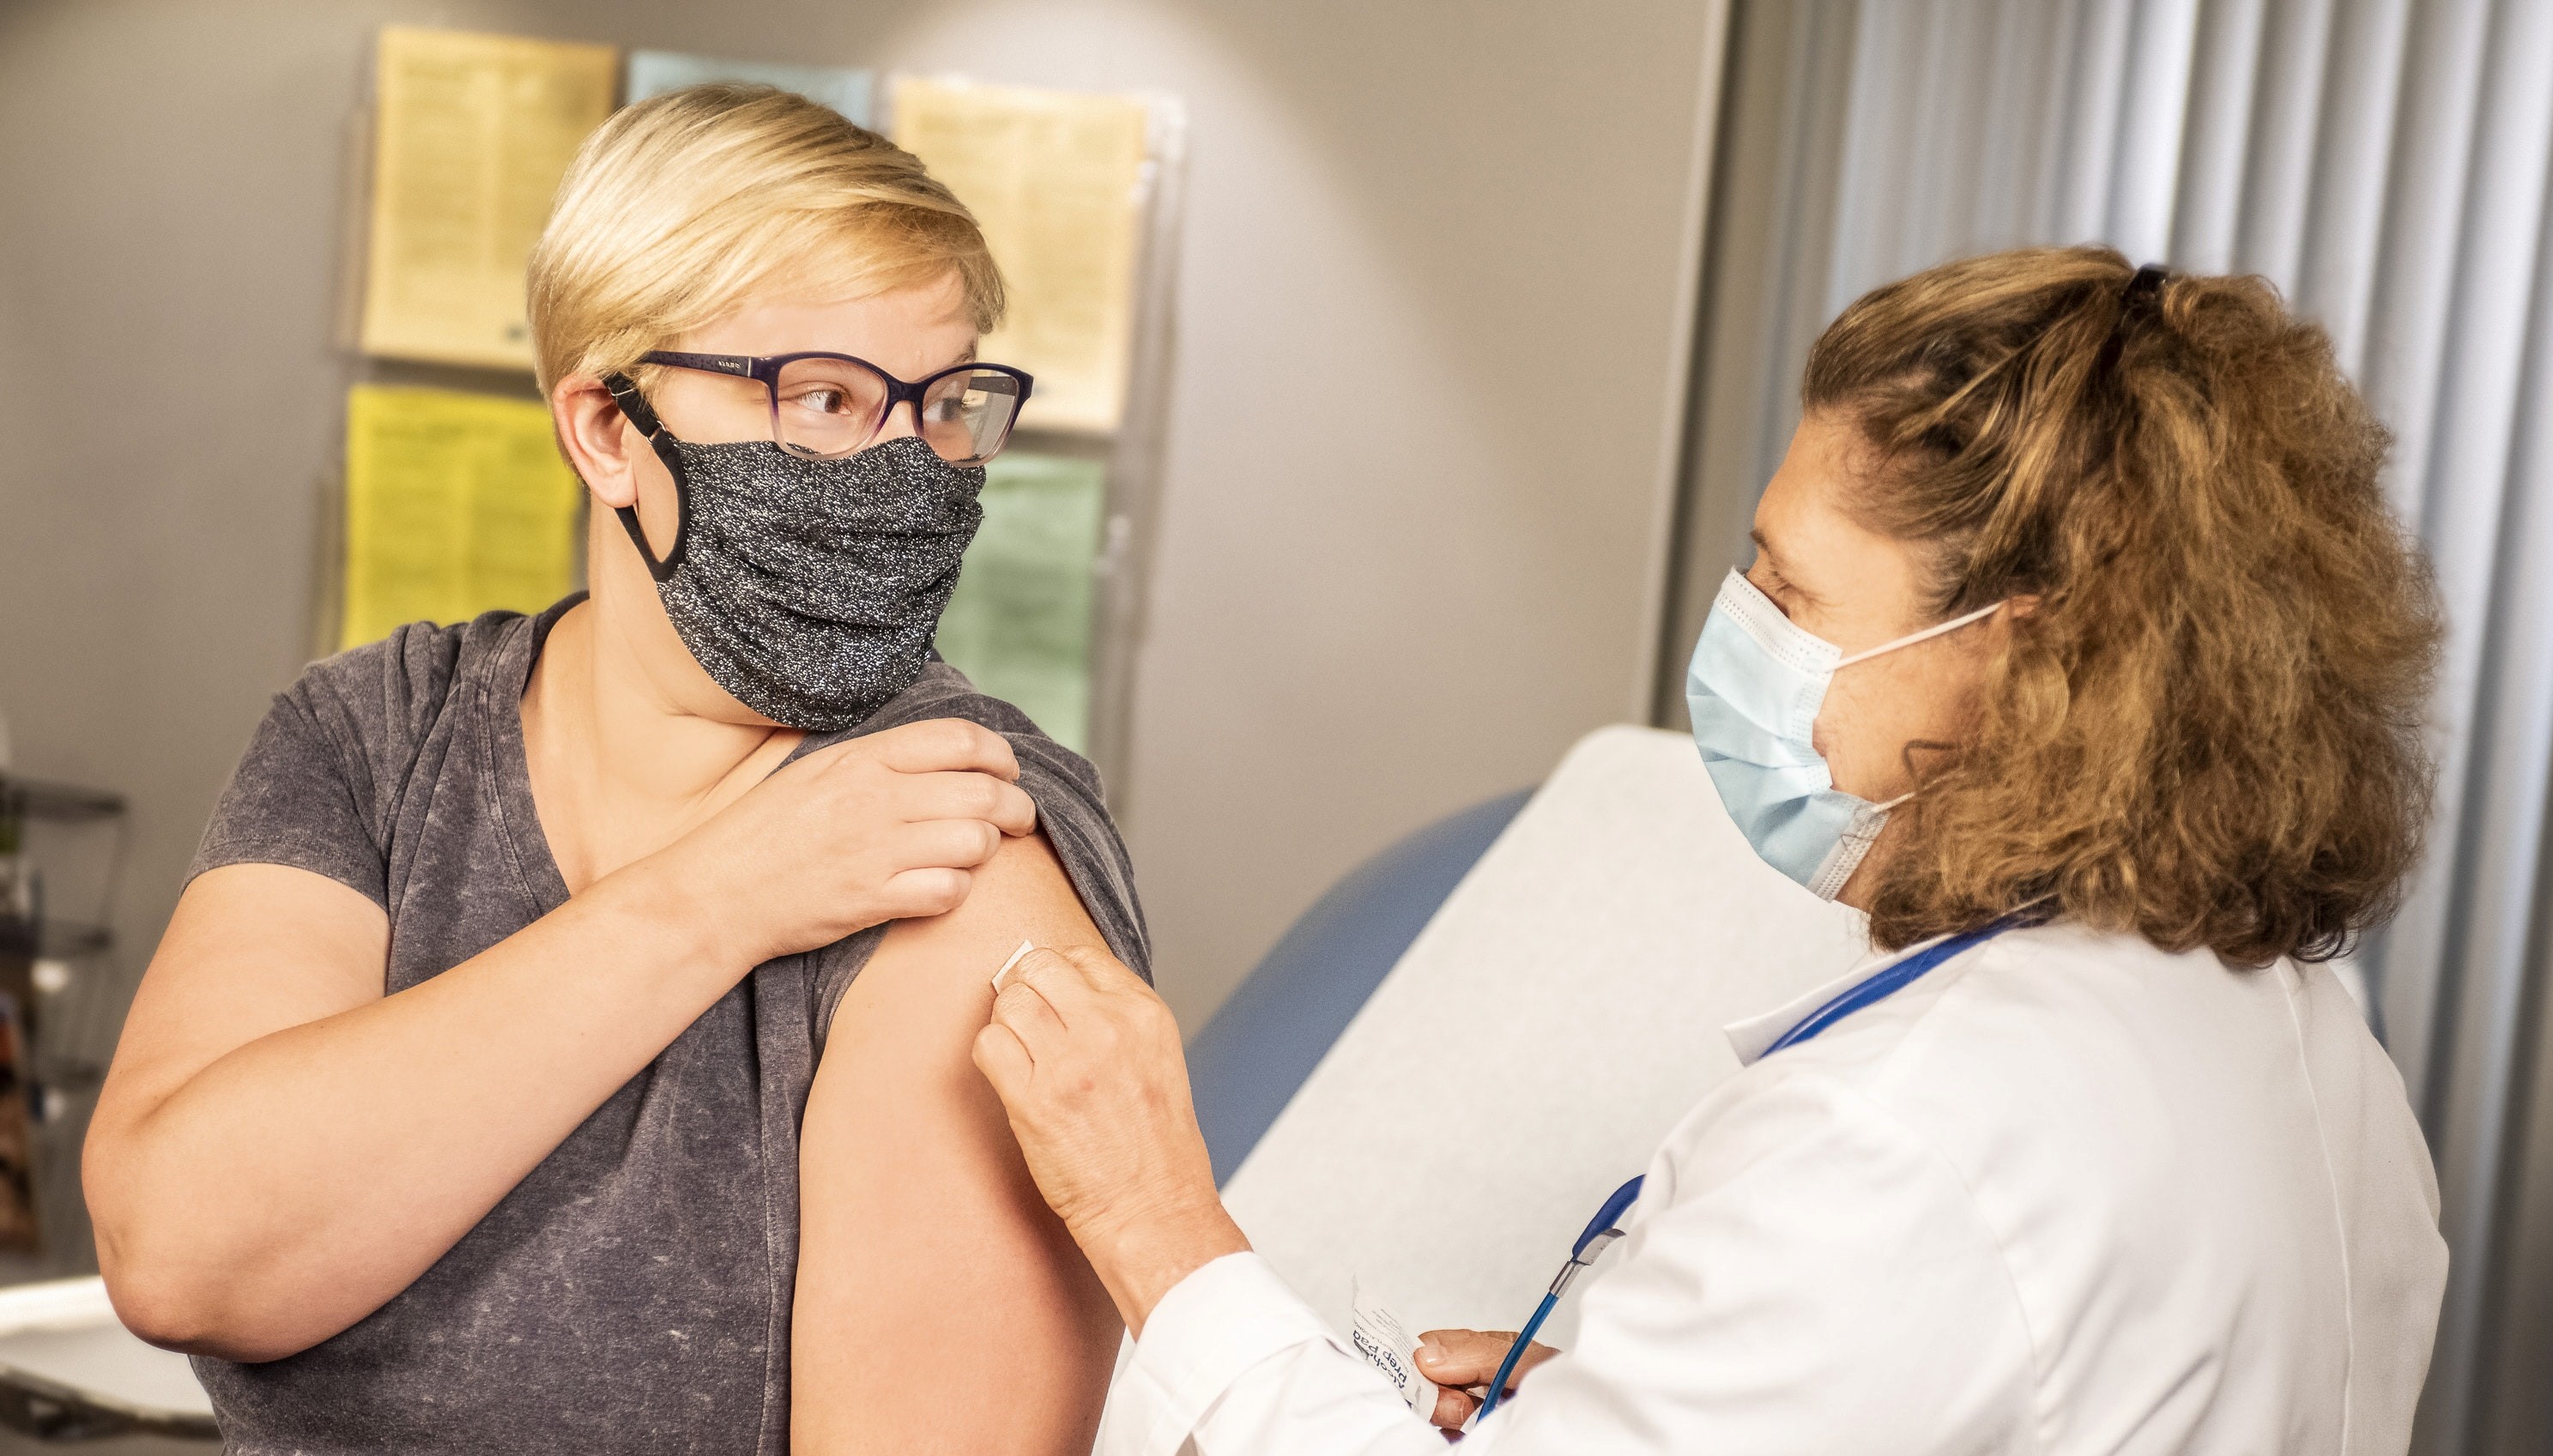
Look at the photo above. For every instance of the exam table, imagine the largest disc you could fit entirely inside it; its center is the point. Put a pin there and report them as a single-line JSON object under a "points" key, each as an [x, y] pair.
{"points": [[69, 1373], [1479, 1033]]}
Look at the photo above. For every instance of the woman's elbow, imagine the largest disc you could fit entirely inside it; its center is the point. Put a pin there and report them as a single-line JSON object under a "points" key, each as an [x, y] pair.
{"points": [[170, 1294], [168, 1304]]}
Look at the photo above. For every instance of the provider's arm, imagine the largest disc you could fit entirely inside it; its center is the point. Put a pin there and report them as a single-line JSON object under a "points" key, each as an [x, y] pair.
{"points": [[280, 1148], [940, 1305]]}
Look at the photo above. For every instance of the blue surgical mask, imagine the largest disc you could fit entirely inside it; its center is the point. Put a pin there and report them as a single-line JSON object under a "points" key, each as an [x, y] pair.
{"points": [[1756, 686]]}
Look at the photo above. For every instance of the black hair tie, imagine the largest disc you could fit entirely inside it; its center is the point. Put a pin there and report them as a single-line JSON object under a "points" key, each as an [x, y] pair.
{"points": [[2144, 288]]}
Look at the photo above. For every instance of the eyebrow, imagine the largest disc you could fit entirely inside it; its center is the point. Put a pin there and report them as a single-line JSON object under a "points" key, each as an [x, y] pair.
{"points": [[1764, 546], [1773, 559]]}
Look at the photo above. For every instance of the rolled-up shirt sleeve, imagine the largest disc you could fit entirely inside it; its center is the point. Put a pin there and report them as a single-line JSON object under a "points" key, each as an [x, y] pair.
{"points": [[1803, 1274]]}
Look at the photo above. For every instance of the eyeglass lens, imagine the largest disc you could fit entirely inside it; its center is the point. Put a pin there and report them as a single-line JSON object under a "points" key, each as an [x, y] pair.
{"points": [[833, 407]]}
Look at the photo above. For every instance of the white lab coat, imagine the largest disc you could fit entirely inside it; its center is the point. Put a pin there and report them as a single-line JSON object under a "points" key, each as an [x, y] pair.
{"points": [[2065, 1193]]}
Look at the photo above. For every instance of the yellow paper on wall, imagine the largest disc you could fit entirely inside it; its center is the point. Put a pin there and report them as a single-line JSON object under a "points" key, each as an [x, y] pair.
{"points": [[471, 135], [455, 504], [1055, 177]]}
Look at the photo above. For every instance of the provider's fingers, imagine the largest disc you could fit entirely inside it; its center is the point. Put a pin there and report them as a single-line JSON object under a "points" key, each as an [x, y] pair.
{"points": [[1003, 1059], [944, 744], [1024, 1011], [1059, 978], [1454, 1406], [1464, 1357], [1102, 971]]}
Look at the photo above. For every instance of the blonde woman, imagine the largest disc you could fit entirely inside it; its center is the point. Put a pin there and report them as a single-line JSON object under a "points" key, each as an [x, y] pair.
{"points": [[562, 1042], [2080, 650]]}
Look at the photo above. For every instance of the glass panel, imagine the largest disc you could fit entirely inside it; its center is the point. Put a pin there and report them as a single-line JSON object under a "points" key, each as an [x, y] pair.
{"points": [[829, 406], [1021, 622]]}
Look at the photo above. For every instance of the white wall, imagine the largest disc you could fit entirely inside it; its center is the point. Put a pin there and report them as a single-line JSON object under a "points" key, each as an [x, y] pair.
{"points": [[1431, 300]]}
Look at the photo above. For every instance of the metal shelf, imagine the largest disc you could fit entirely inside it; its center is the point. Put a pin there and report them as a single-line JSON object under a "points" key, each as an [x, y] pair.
{"points": [[68, 939], [59, 803]]}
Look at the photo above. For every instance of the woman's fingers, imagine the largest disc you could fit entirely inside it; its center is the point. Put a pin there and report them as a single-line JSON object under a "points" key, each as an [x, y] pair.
{"points": [[961, 844], [942, 745], [969, 795], [919, 894]]}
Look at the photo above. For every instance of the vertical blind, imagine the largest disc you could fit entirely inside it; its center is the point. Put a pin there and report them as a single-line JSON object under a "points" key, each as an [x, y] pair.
{"points": [[2385, 164]]}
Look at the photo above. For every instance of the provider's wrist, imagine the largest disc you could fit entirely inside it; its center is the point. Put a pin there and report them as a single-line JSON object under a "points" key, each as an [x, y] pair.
{"points": [[1142, 1255]]}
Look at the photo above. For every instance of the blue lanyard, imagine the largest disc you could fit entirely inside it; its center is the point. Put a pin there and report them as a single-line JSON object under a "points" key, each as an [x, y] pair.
{"points": [[1878, 986], [1885, 982]]}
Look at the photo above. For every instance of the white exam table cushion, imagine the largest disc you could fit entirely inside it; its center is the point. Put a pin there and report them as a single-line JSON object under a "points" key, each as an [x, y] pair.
{"points": [[1552, 1023]]}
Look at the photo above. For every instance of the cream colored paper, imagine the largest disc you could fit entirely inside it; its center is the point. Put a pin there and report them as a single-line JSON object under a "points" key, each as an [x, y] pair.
{"points": [[1055, 177], [471, 135], [455, 504]]}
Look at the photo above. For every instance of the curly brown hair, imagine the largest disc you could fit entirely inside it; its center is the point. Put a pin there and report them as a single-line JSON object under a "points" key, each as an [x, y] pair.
{"points": [[2208, 729]]}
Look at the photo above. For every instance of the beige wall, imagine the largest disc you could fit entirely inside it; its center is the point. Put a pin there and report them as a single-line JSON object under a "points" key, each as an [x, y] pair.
{"points": [[1432, 293]]}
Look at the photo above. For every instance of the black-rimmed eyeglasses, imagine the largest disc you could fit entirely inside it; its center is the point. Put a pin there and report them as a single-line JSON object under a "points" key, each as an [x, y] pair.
{"points": [[833, 404]]}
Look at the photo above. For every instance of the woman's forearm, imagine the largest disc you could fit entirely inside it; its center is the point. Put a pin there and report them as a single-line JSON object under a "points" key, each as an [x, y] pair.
{"points": [[298, 1182]]}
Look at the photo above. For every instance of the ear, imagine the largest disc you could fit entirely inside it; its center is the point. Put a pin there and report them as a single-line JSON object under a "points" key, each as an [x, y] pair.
{"points": [[599, 438]]}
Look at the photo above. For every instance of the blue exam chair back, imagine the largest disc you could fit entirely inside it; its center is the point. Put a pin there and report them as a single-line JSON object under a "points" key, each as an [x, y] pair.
{"points": [[1250, 1058]]}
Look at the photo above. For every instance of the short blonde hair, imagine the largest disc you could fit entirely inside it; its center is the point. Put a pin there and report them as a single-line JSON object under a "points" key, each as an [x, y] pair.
{"points": [[680, 208]]}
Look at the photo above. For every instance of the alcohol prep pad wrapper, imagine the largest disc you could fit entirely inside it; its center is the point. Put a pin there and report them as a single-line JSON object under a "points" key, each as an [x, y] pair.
{"points": [[1387, 1346]]}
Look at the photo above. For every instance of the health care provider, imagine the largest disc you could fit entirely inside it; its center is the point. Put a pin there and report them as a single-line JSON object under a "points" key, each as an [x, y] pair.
{"points": [[2080, 650]]}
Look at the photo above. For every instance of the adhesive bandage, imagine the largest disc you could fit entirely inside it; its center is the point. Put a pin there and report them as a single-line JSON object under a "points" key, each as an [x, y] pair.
{"points": [[1015, 956]]}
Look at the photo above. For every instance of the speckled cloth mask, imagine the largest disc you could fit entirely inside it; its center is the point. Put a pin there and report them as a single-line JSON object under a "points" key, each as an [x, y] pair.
{"points": [[811, 589]]}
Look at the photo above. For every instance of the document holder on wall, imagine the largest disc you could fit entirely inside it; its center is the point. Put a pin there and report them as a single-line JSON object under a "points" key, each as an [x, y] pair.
{"points": [[1104, 384]]}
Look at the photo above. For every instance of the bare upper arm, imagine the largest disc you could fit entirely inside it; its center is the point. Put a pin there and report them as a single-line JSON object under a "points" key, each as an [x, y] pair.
{"points": [[939, 1305], [251, 949]]}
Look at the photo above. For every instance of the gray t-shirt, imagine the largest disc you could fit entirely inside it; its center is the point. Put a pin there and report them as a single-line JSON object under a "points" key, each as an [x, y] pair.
{"points": [[632, 1293]]}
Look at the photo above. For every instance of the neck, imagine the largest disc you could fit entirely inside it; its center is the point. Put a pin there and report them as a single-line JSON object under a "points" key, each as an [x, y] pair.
{"points": [[620, 767]]}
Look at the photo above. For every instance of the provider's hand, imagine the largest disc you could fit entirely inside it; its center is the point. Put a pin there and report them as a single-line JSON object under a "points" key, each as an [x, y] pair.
{"points": [[886, 826], [1462, 1361], [1086, 1060]]}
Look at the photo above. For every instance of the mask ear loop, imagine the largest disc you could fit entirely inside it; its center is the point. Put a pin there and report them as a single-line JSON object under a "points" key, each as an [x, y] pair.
{"points": [[1911, 638], [1854, 845], [624, 393]]}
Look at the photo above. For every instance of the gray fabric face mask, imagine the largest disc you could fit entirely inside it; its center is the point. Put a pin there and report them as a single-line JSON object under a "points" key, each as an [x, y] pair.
{"points": [[811, 589]]}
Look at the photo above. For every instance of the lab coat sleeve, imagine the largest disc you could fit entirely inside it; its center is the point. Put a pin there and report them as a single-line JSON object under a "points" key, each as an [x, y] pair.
{"points": [[1803, 1274], [1234, 1359]]}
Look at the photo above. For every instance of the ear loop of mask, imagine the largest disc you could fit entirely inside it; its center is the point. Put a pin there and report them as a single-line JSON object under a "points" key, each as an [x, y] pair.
{"points": [[1911, 638], [624, 393], [1853, 845]]}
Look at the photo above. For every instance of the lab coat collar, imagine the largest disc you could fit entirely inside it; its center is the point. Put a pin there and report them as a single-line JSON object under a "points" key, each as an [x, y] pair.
{"points": [[1751, 1037]]}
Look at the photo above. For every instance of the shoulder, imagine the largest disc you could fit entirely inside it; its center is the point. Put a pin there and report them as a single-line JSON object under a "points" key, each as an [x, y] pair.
{"points": [[390, 691], [324, 773], [1072, 803], [2099, 1094], [944, 691]]}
